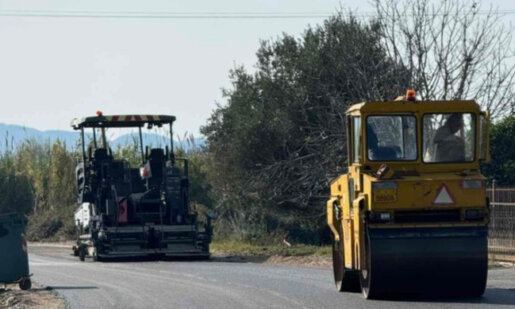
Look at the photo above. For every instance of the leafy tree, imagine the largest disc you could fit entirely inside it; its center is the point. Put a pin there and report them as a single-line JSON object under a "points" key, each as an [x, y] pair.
{"points": [[281, 136], [199, 185], [502, 165]]}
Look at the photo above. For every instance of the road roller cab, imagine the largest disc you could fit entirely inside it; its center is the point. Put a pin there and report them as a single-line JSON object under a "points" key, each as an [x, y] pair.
{"points": [[410, 214]]}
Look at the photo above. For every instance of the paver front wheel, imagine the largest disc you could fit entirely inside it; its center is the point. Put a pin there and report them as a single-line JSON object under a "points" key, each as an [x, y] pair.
{"points": [[95, 256], [82, 254]]}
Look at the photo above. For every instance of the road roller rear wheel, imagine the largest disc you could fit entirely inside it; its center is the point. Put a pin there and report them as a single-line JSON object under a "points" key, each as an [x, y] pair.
{"points": [[346, 280], [368, 289], [364, 279]]}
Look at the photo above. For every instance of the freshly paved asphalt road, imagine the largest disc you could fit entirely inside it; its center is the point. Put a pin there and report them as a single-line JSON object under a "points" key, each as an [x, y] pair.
{"points": [[218, 284]]}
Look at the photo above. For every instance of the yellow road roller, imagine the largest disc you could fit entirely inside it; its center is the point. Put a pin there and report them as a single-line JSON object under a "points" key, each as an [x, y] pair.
{"points": [[410, 213]]}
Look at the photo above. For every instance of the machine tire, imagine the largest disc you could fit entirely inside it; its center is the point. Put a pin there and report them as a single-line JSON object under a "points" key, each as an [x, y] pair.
{"points": [[95, 256], [82, 254], [25, 284], [345, 280], [368, 288], [478, 292], [75, 251]]}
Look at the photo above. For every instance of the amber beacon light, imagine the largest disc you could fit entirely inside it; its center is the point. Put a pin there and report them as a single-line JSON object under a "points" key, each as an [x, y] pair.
{"points": [[410, 95]]}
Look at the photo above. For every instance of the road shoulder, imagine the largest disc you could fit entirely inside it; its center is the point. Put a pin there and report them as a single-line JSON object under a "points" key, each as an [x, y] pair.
{"points": [[36, 297]]}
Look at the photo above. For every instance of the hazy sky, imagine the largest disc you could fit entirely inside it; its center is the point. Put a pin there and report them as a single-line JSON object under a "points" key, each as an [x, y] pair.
{"points": [[53, 69]]}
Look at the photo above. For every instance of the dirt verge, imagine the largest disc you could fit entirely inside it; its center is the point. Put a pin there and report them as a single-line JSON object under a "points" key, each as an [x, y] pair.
{"points": [[38, 297], [307, 261]]}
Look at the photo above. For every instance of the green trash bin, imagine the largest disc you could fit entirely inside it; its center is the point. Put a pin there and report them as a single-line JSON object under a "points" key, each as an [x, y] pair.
{"points": [[14, 260]]}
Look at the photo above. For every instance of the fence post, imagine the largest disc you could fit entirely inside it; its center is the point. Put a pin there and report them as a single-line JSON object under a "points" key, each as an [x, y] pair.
{"points": [[493, 193]]}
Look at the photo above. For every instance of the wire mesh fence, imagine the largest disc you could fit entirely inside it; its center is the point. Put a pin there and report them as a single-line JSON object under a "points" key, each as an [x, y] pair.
{"points": [[501, 238]]}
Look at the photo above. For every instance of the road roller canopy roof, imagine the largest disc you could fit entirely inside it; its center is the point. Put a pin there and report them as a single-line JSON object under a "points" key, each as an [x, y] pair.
{"points": [[411, 133], [121, 121], [414, 106]]}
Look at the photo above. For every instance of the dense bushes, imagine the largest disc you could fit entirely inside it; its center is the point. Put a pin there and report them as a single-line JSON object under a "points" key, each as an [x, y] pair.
{"points": [[37, 179], [502, 150]]}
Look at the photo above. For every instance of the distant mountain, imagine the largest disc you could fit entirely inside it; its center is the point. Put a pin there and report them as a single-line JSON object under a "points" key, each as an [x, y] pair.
{"points": [[14, 135]]}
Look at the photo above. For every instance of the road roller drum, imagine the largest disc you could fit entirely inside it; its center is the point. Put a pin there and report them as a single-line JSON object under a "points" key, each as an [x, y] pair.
{"points": [[425, 261]]}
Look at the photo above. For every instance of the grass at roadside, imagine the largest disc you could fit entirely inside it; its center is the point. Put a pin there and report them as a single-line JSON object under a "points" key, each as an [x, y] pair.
{"points": [[231, 247]]}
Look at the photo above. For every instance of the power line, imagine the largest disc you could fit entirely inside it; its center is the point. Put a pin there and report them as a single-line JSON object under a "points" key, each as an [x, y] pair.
{"points": [[164, 15], [196, 15]]}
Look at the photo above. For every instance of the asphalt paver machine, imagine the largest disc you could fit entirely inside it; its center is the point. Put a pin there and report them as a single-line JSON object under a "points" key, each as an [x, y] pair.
{"points": [[134, 211]]}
